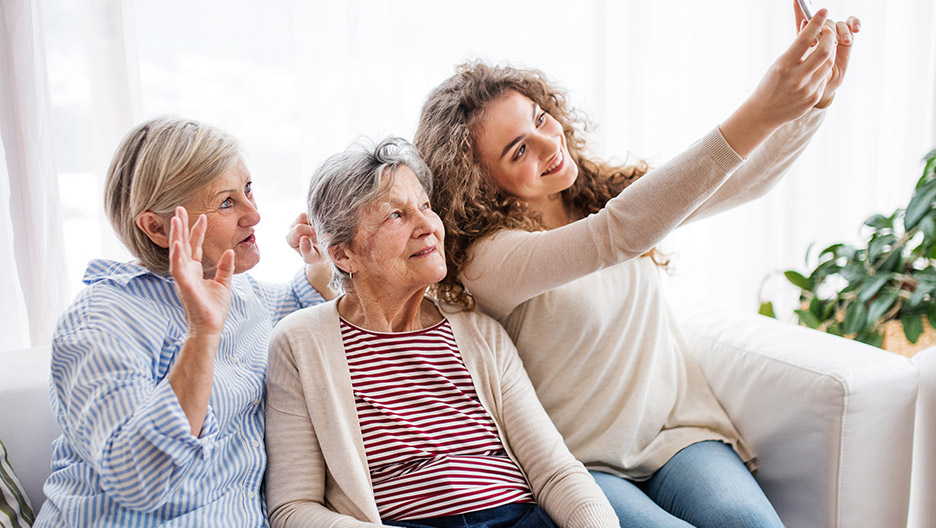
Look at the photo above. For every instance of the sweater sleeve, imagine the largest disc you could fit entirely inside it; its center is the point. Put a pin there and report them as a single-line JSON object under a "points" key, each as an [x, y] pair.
{"points": [[513, 266], [765, 167], [296, 468], [560, 483]]}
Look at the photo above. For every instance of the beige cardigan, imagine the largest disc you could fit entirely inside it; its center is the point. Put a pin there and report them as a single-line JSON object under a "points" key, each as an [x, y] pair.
{"points": [[317, 471], [591, 322]]}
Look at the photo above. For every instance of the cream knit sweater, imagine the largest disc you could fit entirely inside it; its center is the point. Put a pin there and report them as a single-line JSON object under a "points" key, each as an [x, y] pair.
{"points": [[590, 321]]}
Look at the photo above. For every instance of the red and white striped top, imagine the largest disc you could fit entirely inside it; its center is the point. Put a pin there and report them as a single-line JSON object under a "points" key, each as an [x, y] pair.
{"points": [[432, 449]]}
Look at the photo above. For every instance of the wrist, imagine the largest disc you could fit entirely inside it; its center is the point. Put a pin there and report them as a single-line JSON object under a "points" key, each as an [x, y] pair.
{"points": [[747, 128]]}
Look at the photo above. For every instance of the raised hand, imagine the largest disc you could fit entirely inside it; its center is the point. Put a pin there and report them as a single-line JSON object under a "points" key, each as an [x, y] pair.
{"points": [[793, 84], [845, 38], [206, 300], [302, 238]]}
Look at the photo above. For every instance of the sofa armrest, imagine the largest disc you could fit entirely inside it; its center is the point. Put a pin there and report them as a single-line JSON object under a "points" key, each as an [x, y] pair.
{"points": [[923, 481], [27, 426], [830, 419]]}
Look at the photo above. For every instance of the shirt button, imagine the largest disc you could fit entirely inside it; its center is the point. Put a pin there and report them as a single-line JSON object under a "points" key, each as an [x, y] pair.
{"points": [[251, 494], [256, 401], [234, 360]]}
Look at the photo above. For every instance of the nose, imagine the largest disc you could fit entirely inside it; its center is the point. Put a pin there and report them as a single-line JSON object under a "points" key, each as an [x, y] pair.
{"points": [[423, 225], [546, 143], [250, 216]]}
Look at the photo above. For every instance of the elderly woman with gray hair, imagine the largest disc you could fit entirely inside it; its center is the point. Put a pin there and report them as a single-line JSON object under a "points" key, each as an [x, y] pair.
{"points": [[386, 408], [158, 365]]}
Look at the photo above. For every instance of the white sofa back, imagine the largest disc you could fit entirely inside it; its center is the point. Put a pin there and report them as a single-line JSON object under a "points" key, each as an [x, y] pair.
{"points": [[27, 427]]}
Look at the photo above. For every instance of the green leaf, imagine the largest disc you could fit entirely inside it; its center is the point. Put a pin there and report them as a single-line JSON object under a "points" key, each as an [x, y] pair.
{"points": [[828, 310], [893, 262], [766, 308], [806, 317], [881, 305], [919, 294], [928, 227], [855, 316], [871, 338], [913, 327], [920, 204], [835, 329], [880, 221], [931, 315], [872, 285], [815, 306], [853, 272], [798, 280], [833, 249]]}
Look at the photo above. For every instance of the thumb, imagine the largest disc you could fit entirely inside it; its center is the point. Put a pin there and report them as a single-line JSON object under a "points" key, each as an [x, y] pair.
{"points": [[225, 268]]}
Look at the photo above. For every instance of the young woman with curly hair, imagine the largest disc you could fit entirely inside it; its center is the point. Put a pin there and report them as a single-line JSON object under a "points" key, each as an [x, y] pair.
{"points": [[548, 241]]}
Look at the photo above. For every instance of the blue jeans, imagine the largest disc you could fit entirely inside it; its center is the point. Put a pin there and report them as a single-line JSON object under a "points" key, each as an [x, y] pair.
{"points": [[516, 515], [704, 485]]}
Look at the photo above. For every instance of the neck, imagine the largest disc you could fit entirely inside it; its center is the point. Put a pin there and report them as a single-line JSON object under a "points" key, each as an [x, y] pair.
{"points": [[554, 210], [380, 312]]}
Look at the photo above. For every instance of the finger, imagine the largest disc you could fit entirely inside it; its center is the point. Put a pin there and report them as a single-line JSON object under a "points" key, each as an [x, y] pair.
{"points": [[198, 236], [798, 16], [307, 248], [844, 33], [182, 214], [177, 264], [225, 268], [807, 37], [854, 23], [824, 51]]}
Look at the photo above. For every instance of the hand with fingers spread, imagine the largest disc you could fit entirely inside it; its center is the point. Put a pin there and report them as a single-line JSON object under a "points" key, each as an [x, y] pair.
{"points": [[206, 301], [302, 238]]}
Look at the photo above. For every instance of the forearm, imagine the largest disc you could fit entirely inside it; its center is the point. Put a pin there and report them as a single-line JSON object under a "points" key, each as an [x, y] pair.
{"points": [[192, 375], [765, 167]]}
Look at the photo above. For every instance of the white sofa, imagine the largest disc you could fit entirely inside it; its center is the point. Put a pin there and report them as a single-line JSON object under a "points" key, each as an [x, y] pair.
{"points": [[832, 420], [923, 481]]}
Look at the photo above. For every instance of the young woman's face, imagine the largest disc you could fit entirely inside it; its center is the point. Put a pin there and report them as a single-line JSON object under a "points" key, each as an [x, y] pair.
{"points": [[231, 211], [524, 149]]}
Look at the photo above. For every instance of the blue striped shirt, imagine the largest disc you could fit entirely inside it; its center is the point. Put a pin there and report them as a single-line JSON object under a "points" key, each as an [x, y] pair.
{"points": [[126, 456]]}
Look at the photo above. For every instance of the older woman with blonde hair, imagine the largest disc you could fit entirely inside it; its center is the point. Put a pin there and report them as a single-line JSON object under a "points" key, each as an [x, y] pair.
{"points": [[549, 242], [384, 407], [158, 365]]}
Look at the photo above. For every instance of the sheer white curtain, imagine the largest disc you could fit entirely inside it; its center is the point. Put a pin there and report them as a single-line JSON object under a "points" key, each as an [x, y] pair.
{"points": [[32, 265], [296, 81]]}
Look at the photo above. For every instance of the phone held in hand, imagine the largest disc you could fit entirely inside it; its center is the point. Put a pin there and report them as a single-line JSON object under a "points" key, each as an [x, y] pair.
{"points": [[807, 8]]}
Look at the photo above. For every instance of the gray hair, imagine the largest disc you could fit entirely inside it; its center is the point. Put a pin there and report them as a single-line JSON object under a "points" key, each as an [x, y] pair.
{"points": [[159, 165], [348, 181]]}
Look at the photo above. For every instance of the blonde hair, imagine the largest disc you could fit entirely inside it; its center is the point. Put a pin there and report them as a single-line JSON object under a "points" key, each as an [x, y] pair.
{"points": [[160, 164], [467, 198]]}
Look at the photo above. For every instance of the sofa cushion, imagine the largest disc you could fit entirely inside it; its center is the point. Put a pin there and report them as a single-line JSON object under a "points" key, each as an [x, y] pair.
{"points": [[15, 510]]}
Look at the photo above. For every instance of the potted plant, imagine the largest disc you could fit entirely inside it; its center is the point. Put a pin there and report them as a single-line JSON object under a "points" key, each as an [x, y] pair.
{"points": [[883, 290]]}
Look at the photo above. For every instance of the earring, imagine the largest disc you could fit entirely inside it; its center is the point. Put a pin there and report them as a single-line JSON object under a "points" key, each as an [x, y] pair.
{"points": [[350, 275]]}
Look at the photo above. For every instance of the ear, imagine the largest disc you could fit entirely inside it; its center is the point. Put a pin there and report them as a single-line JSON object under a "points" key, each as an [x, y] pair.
{"points": [[155, 227], [342, 258]]}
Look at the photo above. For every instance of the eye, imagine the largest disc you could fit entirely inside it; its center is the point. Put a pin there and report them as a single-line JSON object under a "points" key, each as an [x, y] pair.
{"points": [[519, 152], [394, 215], [541, 118], [226, 204], [248, 188], [425, 206]]}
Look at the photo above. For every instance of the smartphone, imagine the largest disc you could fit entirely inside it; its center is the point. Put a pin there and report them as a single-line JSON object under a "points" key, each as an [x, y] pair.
{"points": [[807, 8]]}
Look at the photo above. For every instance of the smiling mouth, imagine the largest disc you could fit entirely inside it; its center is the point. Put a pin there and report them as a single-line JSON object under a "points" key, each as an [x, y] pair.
{"points": [[424, 252], [249, 240], [556, 165]]}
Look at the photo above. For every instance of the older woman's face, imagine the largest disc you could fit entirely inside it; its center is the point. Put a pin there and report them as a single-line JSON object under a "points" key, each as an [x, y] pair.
{"points": [[228, 203], [399, 241]]}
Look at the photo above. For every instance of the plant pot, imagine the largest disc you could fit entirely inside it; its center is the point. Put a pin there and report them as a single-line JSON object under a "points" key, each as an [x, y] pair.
{"points": [[895, 340]]}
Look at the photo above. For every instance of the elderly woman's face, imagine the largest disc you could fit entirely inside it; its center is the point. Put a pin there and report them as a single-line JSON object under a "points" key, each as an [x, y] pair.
{"points": [[399, 241], [228, 203]]}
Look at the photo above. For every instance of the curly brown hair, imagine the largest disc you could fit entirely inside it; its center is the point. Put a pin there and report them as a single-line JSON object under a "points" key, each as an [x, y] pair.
{"points": [[469, 201]]}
